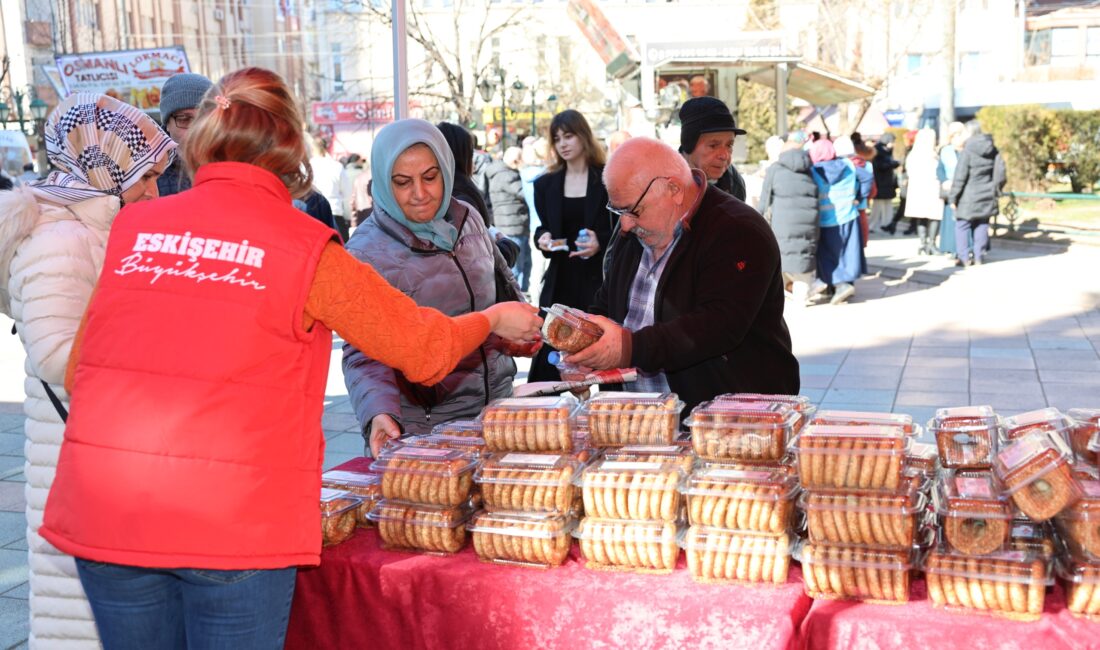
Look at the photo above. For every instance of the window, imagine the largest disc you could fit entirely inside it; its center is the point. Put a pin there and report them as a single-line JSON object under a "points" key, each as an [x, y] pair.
{"points": [[1037, 44], [915, 62], [1092, 45], [1063, 45], [971, 63], [337, 69]]}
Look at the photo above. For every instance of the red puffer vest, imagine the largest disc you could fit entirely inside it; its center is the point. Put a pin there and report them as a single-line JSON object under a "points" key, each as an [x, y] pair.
{"points": [[194, 438]]}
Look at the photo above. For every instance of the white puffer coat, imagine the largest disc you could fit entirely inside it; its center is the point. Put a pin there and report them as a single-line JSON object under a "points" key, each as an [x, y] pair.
{"points": [[50, 258]]}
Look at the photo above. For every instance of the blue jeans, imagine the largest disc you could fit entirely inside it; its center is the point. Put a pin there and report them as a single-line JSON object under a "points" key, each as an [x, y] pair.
{"points": [[522, 269], [152, 609]]}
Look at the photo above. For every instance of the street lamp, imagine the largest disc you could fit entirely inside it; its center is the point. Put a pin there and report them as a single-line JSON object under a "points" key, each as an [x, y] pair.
{"points": [[487, 87], [37, 109]]}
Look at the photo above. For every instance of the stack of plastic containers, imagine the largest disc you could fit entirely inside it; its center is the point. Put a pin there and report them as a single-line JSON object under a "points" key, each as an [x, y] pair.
{"points": [[988, 559], [366, 486], [526, 481], [631, 498], [741, 496], [864, 506], [426, 494]]}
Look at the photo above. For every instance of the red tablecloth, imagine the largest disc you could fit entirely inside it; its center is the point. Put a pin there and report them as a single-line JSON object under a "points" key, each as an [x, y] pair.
{"points": [[365, 597], [846, 624]]}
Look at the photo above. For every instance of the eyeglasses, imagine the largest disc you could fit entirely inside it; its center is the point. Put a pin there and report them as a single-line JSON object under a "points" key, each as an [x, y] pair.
{"points": [[619, 212], [183, 121]]}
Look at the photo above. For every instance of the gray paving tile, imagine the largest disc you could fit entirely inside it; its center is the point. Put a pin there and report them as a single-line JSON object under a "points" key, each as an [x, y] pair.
{"points": [[1070, 377], [938, 362], [21, 591], [339, 421], [1008, 403], [11, 444], [816, 381], [1060, 343], [814, 394], [16, 477], [939, 351], [933, 372], [11, 421], [945, 339], [1067, 396], [930, 398], [346, 443], [818, 368], [864, 396], [1002, 342], [18, 545], [997, 362], [13, 527], [953, 385], [14, 622], [1005, 386], [1080, 364], [334, 459], [886, 373], [889, 381], [1008, 374], [13, 568], [1065, 355], [826, 358], [1000, 353]]}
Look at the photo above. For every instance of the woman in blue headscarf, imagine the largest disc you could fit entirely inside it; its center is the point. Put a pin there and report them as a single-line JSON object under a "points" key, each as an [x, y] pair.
{"points": [[437, 250]]}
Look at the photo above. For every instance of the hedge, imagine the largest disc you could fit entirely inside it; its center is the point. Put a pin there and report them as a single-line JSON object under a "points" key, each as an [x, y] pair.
{"points": [[1031, 138]]}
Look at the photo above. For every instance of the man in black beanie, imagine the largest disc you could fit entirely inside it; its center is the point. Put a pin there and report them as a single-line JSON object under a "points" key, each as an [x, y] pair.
{"points": [[707, 131]]}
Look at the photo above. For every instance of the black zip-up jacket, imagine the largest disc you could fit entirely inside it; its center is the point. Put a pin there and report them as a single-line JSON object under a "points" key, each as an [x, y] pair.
{"points": [[979, 178], [718, 313]]}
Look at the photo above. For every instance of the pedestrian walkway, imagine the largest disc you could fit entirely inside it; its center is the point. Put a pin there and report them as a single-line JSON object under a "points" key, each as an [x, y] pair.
{"points": [[1020, 332]]}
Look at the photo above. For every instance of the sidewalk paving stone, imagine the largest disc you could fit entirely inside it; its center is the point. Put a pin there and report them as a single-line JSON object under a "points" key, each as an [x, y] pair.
{"points": [[865, 381], [867, 397], [1070, 376], [1062, 343], [1000, 353], [1009, 363], [816, 381], [21, 591], [345, 443], [1009, 403], [14, 622], [946, 352], [1030, 388], [930, 398], [943, 384], [934, 372], [1067, 396]]}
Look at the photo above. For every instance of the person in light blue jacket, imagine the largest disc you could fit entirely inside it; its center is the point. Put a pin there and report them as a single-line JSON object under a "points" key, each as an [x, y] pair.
{"points": [[841, 189], [949, 158]]}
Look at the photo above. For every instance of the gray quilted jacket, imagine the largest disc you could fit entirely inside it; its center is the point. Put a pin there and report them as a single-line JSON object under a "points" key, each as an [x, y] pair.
{"points": [[454, 283]]}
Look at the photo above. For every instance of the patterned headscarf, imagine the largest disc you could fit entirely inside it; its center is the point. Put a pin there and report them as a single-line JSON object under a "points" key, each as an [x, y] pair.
{"points": [[100, 146]]}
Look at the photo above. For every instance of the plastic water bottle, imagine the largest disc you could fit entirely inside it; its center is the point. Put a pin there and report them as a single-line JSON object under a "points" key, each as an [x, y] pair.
{"points": [[583, 236]]}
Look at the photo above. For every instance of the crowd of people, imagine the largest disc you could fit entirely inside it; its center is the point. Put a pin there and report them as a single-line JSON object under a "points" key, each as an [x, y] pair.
{"points": [[176, 287]]}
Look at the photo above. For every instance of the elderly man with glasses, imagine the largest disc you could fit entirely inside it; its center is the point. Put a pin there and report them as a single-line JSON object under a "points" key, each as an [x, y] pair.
{"points": [[693, 295], [179, 97]]}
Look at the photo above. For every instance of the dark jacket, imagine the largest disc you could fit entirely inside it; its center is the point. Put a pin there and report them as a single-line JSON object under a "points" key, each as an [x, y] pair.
{"points": [[884, 164], [549, 197], [455, 284], [505, 191], [732, 183], [791, 194], [316, 206], [718, 315], [979, 179], [174, 179], [465, 190]]}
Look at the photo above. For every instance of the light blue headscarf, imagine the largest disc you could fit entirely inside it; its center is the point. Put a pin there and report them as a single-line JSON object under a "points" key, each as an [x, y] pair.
{"points": [[390, 143]]}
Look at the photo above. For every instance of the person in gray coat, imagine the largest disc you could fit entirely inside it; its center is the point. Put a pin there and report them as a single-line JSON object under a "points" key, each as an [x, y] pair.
{"points": [[445, 261], [790, 194], [505, 191], [980, 176]]}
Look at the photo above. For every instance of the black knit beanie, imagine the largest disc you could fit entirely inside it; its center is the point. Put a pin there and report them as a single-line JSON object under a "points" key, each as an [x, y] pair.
{"points": [[700, 115]]}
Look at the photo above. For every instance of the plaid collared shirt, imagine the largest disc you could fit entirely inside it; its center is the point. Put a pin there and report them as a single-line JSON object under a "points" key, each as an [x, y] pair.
{"points": [[643, 294]]}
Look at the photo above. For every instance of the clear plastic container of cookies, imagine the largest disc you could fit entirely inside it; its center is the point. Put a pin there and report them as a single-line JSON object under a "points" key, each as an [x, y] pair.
{"points": [[632, 490], [436, 530], [430, 476], [864, 517], [800, 403], [541, 424], [868, 418], [869, 574], [852, 457], [678, 452], [1007, 584], [528, 482], [616, 418], [1080, 575], [338, 515], [1048, 420], [364, 485], [742, 430], [976, 517], [1036, 472], [1085, 429], [622, 544], [923, 457], [720, 556], [569, 330], [458, 428], [522, 538], [1079, 524], [474, 447], [966, 436], [748, 500], [1026, 535]]}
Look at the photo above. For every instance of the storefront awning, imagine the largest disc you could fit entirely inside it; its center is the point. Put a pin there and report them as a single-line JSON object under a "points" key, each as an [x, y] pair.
{"points": [[815, 85]]}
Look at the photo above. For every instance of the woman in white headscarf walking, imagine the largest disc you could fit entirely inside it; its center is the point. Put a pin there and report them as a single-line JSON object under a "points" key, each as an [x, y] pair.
{"points": [[53, 236], [923, 201]]}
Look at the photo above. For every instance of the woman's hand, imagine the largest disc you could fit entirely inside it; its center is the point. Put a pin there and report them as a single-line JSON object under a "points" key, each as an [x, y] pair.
{"points": [[586, 248], [544, 241], [383, 428], [514, 321], [521, 348]]}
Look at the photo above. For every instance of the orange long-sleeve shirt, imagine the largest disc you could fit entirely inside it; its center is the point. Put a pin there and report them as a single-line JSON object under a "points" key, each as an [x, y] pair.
{"points": [[357, 303]]}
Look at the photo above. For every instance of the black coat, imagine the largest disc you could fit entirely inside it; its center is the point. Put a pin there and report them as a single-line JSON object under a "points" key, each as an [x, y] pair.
{"points": [[884, 164], [718, 315], [979, 179], [790, 192], [506, 199], [549, 198], [732, 183]]}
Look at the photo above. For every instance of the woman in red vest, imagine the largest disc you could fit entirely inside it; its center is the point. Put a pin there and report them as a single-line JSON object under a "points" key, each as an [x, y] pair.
{"points": [[188, 480]]}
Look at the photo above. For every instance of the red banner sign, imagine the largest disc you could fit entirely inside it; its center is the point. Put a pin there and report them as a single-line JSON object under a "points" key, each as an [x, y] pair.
{"points": [[351, 112]]}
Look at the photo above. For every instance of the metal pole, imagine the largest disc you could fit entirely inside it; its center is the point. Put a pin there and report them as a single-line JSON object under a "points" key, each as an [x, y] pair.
{"points": [[400, 63], [947, 98], [533, 127], [781, 99], [503, 114]]}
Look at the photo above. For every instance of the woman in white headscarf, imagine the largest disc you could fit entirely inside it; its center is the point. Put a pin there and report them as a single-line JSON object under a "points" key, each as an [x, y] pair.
{"points": [[53, 235], [923, 201]]}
